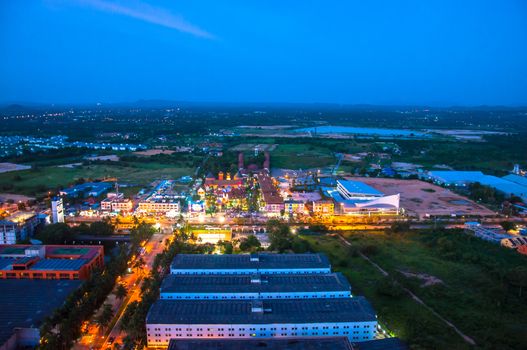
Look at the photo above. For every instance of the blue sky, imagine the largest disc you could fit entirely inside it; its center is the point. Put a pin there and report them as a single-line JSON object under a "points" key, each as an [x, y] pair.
{"points": [[377, 52]]}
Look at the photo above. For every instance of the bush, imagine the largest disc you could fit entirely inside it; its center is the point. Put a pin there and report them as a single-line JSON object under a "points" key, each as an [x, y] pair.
{"points": [[389, 287]]}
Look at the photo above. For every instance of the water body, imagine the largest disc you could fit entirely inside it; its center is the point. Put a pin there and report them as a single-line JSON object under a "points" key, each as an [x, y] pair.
{"points": [[362, 131]]}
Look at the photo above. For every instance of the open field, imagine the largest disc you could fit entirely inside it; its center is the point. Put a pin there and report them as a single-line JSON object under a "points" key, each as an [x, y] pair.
{"points": [[35, 182], [8, 167], [420, 198], [301, 156], [468, 286]]}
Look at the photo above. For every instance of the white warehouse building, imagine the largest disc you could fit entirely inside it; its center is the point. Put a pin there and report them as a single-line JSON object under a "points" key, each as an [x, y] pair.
{"points": [[248, 264], [221, 287], [246, 319]]}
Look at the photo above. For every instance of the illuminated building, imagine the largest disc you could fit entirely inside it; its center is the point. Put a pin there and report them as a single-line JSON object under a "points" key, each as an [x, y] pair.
{"points": [[292, 206], [324, 207], [212, 235], [272, 201], [49, 261], [117, 203], [17, 227], [57, 210], [245, 319]]}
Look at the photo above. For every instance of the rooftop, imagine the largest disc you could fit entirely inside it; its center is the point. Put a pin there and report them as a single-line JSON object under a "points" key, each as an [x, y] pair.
{"points": [[322, 343], [242, 283], [298, 311], [59, 264], [35, 299], [269, 191], [246, 261], [359, 188]]}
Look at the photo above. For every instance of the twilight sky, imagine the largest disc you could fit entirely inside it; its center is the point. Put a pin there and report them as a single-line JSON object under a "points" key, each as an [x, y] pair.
{"points": [[438, 52]]}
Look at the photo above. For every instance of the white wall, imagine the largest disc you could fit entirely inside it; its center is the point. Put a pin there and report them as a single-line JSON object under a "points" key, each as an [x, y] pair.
{"points": [[160, 334]]}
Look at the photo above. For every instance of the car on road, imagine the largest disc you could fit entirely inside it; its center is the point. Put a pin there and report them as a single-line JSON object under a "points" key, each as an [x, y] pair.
{"points": [[110, 340]]}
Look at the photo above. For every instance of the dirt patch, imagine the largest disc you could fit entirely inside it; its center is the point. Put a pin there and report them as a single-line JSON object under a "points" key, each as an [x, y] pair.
{"points": [[422, 199], [428, 280], [4, 197], [154, 152], [262, 147]]}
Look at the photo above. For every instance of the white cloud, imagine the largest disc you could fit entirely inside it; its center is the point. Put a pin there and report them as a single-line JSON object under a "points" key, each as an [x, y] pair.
{"points": [[148, 13]]}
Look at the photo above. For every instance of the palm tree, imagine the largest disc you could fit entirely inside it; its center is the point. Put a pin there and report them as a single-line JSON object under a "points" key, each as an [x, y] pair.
{"points": [[105, 317], [121, 292], [138, 264]]}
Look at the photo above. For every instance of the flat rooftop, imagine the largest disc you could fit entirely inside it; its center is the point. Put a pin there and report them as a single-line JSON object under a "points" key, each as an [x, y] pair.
{"points": [[25, 303], [299, 311], [359, 188], [312, 343], [243, 261], [331, 282], [86, 252]]}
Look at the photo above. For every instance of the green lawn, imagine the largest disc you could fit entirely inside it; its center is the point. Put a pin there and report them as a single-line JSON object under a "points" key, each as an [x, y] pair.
{"points": [[34, 182], [471, 295], [301, 156]]}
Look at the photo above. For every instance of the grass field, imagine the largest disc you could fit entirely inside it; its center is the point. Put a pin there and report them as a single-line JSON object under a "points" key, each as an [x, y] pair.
{"points": [[470, 293], [301, 156], [35, 182]]}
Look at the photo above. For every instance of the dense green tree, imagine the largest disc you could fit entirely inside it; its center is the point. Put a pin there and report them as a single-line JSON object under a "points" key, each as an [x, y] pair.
{"points": [[508, 225], [105, 317], [54, 233], [225, 247], [250, 243], [101, 228], [279, 235]]}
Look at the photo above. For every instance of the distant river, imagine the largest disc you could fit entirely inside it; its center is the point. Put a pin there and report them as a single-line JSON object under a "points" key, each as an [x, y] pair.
{"points": [[361, 131]]}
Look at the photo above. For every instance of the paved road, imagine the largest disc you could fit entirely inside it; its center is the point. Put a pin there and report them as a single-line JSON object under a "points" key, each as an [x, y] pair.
{"points": [[94, 340]]}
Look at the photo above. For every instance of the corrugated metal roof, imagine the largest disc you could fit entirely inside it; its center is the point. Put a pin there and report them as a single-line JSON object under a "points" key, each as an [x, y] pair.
{"points": [[356, 309], [359, 188], [243, 261], [59, 264], [242, 283]]}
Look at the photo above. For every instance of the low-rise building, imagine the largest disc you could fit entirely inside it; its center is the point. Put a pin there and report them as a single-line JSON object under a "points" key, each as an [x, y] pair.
{"points": [[159, 206], [57, 210], [272, 201], [49, 262], [357, 198], [117, 203], [292, 206], [513, 242], [221, 287], [212, 235], [243, 264], [18, 227], [522, 249], [87, 189], [25, 304], [353, 318], [324, 207]]}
